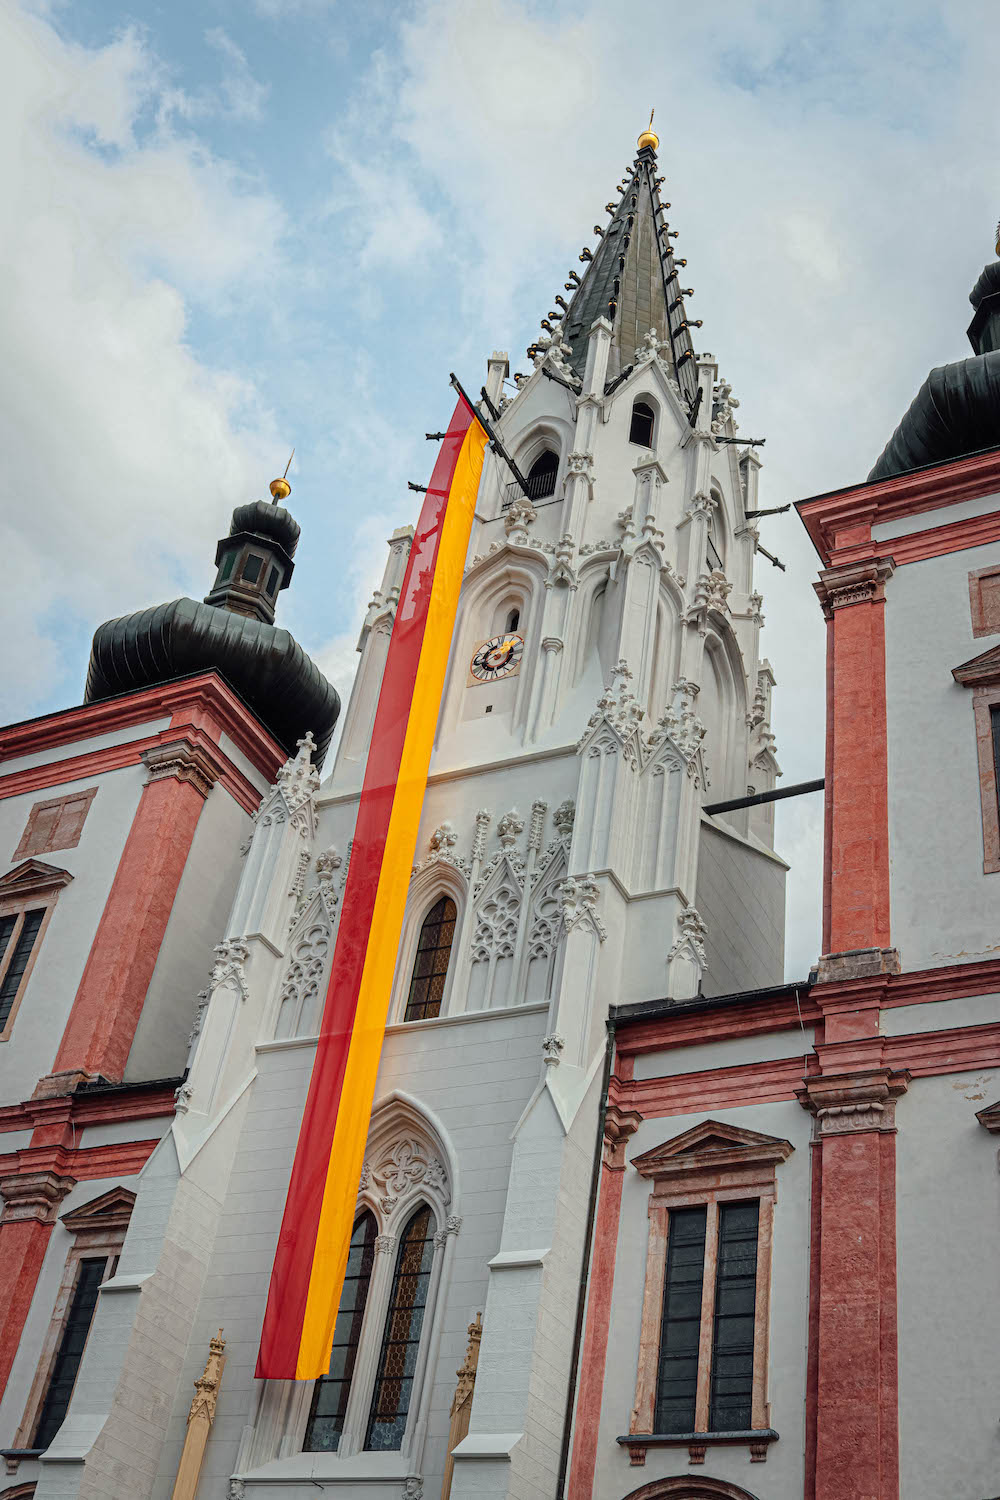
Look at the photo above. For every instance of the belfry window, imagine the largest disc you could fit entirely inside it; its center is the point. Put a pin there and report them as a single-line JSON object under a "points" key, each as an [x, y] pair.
{"points": [[252, 567], [401, 1339], [513, 621], [643, 421], [331, 1392], [542, 476], [430, 967]]}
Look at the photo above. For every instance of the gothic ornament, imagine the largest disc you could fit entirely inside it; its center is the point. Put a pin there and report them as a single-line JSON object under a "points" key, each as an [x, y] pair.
{"points": [[404, 1165]]}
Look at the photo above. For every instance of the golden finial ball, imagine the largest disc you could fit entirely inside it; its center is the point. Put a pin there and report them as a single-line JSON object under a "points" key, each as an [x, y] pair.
{"points": [[280, 489], [648, 138]]}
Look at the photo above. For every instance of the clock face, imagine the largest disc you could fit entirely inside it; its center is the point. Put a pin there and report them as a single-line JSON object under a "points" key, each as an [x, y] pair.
{"points": [[496, 658]]}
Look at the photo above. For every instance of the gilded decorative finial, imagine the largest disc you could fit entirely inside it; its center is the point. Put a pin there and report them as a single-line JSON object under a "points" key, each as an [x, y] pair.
{"points": [[280, 488], [649, 136]]}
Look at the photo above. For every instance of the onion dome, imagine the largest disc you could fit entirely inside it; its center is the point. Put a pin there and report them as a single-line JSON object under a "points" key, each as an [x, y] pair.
{"points": [[232, 632]]}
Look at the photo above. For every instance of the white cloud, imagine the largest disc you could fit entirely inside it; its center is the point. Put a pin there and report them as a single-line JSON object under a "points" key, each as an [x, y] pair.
{"points": [[125, 452], [244, 97]]}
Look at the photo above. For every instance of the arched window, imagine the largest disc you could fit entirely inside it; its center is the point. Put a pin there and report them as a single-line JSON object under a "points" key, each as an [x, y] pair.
{"points": [[513, 620], [401, 1339], [542, 475], [330, 1393], [643, 420], [430, 967]]}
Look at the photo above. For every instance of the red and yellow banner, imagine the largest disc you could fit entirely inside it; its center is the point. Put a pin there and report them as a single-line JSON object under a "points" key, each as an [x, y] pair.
{"points": [[311, 1258]]}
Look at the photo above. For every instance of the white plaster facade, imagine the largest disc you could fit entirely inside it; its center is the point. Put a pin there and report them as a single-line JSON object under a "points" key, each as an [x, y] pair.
{"points": [[563, 816]]}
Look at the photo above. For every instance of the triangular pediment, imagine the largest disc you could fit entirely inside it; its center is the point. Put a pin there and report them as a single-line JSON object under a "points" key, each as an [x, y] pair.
{"points": [[979, 670], [712, 1143], [31, 877], [110, 1211]]}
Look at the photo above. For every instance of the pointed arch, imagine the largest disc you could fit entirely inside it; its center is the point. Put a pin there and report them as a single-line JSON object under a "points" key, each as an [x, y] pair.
{"points": [[511, 578], [644, 422], [437, 879], [494, 936], [431, 961]]}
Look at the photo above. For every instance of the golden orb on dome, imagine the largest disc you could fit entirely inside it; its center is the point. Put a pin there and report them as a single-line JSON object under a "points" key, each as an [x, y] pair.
{"points": [[280, 489], [649, 136]]}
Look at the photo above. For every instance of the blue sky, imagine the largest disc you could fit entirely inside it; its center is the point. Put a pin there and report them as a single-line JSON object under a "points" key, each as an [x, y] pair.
{"points": [[240, 225]]}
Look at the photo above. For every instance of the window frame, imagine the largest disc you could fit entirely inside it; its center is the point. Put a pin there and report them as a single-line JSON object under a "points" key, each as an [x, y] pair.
{"points": [[98, 1228], [710, 1165], [651, 407], [406, 1019], [29, 887], [982, 675]]}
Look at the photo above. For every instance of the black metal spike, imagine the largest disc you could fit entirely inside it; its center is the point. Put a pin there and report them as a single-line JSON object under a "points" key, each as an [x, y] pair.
{"points": [[421, 489], [435, 437]]}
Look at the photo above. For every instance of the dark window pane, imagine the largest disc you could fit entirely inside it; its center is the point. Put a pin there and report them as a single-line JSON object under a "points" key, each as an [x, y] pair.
{"points": [[677, 1379], [70, 1351], [641, 431], [19, 962], [252, 567], [995, 725], [733, 1335], [401, 1340], [541, 478], [7, 925], [272, 582], [228, 562], [430, 967], [513, 620], [329, 1403]]}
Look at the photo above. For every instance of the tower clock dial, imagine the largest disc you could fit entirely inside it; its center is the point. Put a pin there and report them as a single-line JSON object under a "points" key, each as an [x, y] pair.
{"points": [[496, 658]]}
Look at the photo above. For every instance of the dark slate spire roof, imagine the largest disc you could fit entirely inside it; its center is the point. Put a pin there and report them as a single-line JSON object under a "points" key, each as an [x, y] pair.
{"points": [[634, 281]]}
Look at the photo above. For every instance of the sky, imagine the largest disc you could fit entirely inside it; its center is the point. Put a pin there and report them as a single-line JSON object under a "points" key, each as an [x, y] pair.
{"points": [[236, 226]]}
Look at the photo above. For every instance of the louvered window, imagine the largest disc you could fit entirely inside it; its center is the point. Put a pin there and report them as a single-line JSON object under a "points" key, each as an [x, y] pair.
{"points": [[430, 967], [331, 1392], [70, 1351], [677, 1384], [733, 1335], [401, 1339]]}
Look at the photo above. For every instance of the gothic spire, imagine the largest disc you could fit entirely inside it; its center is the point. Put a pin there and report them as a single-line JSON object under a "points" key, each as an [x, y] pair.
{"points": [[633, 279]]}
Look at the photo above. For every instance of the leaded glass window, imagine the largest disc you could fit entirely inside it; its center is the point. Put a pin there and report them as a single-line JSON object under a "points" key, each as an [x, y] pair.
{"points": [[331, 1392], [401, 1339], [430, 967]]}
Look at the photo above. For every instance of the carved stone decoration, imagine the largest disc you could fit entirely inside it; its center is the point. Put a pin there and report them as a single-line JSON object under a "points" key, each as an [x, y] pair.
{"points": [[711, 591], [853, 583], [518, 516], [616, 706], [413, 1488], [724, 403], [691, 934], [385, 1244], [679, 723], [579, 898], [404, 1164], [538, 811], [649, 348], [308, 960], [199, 1017], [181, 761], [237, 1489], [562, 820], [298, 778], [301, 870], [33, 1195], [230, 957], [442, 847], [552, 1047], [199, 1423], [453, 1224], [561, 569], [552, 350], [483, 817], [619, 1125], [851, 1103], [327, 864], [509, 829], [182, 1098], [581, 465], [461, 1404]]}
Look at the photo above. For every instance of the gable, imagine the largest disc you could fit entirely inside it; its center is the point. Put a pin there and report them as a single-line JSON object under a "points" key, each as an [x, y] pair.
{"points": [[32, 878], [110, 1211], [712, 1144]]}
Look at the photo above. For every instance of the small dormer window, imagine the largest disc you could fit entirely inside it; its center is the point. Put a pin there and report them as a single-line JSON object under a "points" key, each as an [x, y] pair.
{"points": [[643, 420], [542, 475]]}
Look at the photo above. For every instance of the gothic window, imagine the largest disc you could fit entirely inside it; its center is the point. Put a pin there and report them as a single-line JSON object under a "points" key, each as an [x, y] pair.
{"points": [[430, 966], [331, 1392], [401, 1339], [542, 476], [714, 543], [55, 824], [703, 1340], [643, 422], [513, 620]]}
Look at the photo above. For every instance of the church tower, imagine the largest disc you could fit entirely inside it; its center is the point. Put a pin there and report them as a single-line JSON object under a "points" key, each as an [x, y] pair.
{"points": [[604, 685]]}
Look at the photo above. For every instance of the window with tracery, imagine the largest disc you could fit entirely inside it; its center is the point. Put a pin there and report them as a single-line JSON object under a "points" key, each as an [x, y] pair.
{"points": [[401, 1339], [430, 966], [331, 1392]]}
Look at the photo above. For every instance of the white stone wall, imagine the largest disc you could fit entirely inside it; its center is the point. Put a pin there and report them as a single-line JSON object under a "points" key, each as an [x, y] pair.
{"points": [[943, 908], [741, 899]]}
